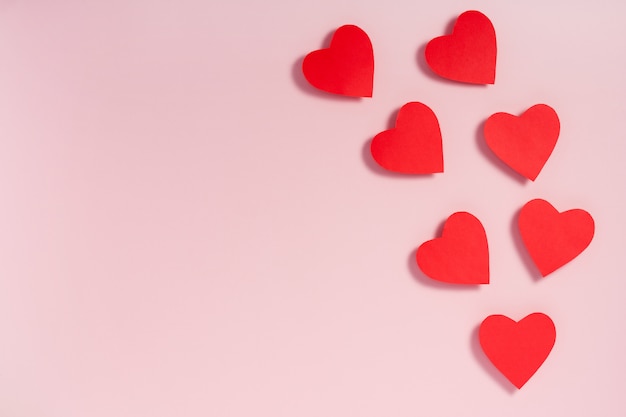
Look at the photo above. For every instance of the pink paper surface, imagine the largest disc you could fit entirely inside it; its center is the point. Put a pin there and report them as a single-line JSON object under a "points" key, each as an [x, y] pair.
{"points": [[190, 229]]}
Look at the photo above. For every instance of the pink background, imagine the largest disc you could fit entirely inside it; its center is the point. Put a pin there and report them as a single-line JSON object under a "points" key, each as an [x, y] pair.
{"points": [[188, 229]]}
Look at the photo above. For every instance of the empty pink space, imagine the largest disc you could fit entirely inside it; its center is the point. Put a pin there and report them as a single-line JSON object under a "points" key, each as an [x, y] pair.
{"points": [[188, 228]]}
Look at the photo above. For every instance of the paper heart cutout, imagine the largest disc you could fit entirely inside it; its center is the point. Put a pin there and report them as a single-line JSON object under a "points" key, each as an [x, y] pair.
{"points": [[526, 142], [468, 54], [552, 238], [414, 145], [460, 255], [517, 349], [346, 67]]}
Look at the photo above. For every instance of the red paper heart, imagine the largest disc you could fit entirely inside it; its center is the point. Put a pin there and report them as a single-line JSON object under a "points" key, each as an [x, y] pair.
{"points": [[467, 55], [517, 349], [346, 67], [524, 143], [460, 255], [552, 238], [414, 145]]}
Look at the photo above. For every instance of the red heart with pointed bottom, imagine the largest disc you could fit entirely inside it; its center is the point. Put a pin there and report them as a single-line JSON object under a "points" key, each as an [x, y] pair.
{"points": [[526, 142], [552, 238], [467, 55], [414, 146], [346, 67], [460, 255], [517, 349]]}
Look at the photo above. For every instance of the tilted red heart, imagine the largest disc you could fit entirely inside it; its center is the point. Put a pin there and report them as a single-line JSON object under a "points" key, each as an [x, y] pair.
{"points": [[526, 142], [517, 349], [552, 238], [346, 67], [460, 255], [414, 145], [468, 54]]}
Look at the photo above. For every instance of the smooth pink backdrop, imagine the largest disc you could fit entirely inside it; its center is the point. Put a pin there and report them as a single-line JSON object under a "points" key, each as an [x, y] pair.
{"points": [[188, 229]]}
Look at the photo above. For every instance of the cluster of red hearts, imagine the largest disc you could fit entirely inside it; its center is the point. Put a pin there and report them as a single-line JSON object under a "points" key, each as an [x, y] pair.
{"points": [[414, 146]]}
